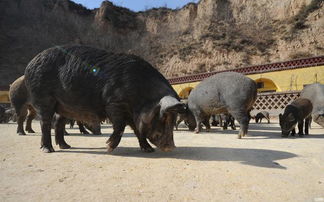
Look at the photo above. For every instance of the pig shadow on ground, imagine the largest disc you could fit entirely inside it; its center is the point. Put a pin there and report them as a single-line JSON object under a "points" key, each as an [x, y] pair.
{"points": [[9, 123], [254, 157], [255, 132], [84, 135], [77, 128], [264, 131], [106, 126]]}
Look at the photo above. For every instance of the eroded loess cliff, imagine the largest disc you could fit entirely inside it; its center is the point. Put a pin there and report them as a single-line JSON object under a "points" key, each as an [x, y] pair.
{"points": [[211, 35]]}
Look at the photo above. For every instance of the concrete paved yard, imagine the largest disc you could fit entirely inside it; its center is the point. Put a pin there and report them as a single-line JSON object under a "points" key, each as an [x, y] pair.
{"points": [[213, 166]]}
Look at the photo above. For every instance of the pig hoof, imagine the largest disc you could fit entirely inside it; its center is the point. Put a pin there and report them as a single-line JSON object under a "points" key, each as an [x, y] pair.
{"points": [[110, 149], [301, 135], [47, 149], [239, 136], [30, 131], [110, 146], [21, 133], [65, 146], [284, 135]]}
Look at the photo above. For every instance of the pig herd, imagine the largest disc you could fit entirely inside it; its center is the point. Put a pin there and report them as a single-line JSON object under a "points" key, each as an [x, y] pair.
{"points": [[91, 85]]}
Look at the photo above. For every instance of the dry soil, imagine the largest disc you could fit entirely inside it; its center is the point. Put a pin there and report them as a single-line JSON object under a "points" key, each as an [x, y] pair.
{"points": [[214, 166]]}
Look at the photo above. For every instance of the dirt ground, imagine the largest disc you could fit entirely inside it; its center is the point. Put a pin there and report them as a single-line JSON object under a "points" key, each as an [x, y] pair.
{"points": [[214, 166]]}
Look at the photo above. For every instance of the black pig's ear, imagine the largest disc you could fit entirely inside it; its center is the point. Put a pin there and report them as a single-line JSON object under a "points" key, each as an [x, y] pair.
{"points": [[280, 116], [171, 104], [147, 117]]}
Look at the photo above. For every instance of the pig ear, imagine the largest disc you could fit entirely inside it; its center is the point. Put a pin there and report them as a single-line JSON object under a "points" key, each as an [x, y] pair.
{"points": [[171, 104], [148, 116], [280, 116]]}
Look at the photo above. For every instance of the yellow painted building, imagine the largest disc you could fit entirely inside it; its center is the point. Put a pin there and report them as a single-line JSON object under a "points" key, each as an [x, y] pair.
{"points": [[276, 81], [289, 80], [4, 97], [293, 79]]}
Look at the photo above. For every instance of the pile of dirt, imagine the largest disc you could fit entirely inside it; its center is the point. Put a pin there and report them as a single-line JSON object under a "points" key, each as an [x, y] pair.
{"points": [[207, 36]]}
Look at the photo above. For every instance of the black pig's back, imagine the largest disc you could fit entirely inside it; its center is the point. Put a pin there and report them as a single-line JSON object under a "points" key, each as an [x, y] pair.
{"points": [[88, 79]]}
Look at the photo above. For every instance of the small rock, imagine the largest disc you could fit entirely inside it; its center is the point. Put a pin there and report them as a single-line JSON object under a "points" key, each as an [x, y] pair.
{"points": [[62, 179]]}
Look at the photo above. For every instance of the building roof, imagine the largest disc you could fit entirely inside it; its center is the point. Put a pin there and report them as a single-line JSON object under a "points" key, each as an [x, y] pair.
{"points": [[256, 69]]}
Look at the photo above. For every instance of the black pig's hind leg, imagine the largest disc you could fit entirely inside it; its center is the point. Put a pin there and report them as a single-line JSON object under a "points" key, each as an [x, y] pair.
{"points": [[60, 131], [300, 128], [46, 111], [307, 125]]}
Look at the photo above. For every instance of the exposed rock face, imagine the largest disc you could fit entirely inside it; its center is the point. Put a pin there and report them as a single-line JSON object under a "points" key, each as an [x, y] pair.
{"points": [[211, 35]]}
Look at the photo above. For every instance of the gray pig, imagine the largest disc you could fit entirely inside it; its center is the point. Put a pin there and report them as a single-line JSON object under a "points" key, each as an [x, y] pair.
{"points": [[315, 93], [227, 92]]}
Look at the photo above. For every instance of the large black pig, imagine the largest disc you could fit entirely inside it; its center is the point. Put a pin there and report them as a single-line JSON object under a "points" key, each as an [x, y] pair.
{"points": [[227, 92], [90, 85]]}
